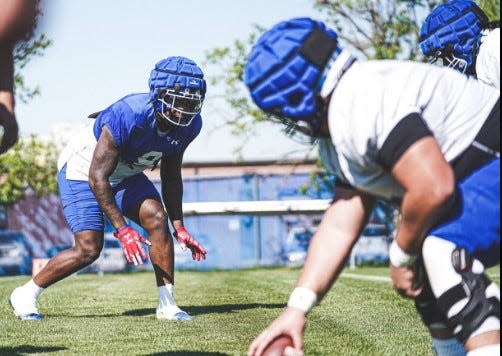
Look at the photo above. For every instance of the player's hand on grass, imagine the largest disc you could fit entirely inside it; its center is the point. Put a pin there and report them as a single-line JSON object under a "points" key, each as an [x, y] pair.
{"points": [[132, 244], [290, 323], [186, 240], [404, 280]]}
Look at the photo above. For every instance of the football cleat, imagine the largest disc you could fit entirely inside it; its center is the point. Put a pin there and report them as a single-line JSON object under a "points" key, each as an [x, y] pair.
{"points": [[173, 313], [24, 308]]}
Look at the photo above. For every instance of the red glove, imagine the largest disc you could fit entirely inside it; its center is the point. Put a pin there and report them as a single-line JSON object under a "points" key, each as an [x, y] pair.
{"points": [[186, 240], [131, 244]]}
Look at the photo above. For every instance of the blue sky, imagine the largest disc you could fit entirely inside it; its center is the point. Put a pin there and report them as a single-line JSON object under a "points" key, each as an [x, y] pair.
{"points": [[105, 49]]}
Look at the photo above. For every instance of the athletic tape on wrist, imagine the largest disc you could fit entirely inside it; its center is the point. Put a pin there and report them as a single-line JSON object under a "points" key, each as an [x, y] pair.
{"points": [[400, 258], [302, 298]]}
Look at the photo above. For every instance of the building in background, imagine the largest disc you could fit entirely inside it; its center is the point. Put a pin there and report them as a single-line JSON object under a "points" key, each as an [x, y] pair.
{"points": [[232, 240]]}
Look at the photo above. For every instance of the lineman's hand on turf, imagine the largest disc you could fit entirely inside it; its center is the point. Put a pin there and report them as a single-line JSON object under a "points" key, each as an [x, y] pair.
{"points": [[404, 280], [132, 246], [186, 240], [291, 323]]}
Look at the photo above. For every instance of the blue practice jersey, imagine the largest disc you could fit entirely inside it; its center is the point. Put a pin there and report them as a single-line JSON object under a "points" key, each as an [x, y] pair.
{"points": [[131, 121]]}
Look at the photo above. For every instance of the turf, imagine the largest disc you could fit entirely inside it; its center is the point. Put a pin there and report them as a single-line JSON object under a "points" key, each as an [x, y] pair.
{"points": [[115, 315]]}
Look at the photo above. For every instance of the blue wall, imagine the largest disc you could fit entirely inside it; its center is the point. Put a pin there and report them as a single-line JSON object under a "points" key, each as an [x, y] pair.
{"points": [[236, 241]]}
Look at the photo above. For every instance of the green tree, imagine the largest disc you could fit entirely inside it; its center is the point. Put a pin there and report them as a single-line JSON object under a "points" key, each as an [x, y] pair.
{"points": [[24, 52], [491, 8], [29, 166]]}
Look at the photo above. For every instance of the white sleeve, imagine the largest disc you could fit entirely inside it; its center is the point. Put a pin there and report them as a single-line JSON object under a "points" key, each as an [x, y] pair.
{"points": [[488, 60]]}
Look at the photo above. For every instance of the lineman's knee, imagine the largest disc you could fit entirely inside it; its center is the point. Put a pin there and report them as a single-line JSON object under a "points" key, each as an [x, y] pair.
{"points": [[470, 301]]}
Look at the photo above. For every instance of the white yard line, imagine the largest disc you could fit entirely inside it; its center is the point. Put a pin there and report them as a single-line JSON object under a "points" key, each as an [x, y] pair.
{"points": [[366, 277]]}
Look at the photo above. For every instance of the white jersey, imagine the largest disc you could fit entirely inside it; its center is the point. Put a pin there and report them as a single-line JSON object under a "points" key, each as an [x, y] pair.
{"points": [[77, 157], [372, 97], [488, 59]]}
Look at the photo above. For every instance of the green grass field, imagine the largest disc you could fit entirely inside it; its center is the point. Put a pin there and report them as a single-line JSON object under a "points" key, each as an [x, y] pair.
{"points": [[115, 315]]}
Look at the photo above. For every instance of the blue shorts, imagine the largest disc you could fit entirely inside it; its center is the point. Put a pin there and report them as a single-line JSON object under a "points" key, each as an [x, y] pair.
{"points": [[476, 225], [81, 209]]}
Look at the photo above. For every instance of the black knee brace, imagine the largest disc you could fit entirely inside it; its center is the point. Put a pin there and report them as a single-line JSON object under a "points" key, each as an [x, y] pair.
{"points": [[428, 309], [473, 287]]}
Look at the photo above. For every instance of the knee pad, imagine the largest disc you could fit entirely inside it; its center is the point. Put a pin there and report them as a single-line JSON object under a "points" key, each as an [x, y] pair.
{"points": [[467, 305]]}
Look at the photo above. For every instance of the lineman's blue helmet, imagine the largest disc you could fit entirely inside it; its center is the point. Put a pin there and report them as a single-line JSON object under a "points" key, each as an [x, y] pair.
{"points": [[284, 68], [177, 89], [452, 32]]}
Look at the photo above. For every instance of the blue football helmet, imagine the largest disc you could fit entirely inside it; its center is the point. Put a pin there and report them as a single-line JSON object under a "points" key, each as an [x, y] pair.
{"points": [[452, 32], [177, 90], [284, 70]]}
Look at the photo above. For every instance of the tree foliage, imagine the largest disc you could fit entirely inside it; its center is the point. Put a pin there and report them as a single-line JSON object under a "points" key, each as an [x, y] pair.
{"points": [[29, 166], [24, 52], [491, 8]]}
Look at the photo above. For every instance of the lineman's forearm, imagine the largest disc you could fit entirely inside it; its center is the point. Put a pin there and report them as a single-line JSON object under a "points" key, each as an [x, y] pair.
{"points": [[340, 228], [327, 254]]}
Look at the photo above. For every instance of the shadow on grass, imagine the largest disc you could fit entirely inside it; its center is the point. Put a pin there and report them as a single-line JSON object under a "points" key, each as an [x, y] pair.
{"points": [[187, 353], [29, 349], [209, 309], [83, 315]]}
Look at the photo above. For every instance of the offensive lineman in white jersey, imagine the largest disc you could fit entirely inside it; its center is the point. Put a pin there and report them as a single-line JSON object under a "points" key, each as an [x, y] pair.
{"points": [[422, 136], [460, 34]]}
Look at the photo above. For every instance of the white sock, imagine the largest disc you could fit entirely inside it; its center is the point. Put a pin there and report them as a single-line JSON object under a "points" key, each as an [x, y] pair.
{"points": [[166, 296], [448, 347], [32, 288], [489, 350]]}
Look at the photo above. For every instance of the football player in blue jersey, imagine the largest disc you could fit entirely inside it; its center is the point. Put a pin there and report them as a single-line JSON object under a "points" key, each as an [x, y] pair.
{"points": [[459, 33], [101, 172], [17, 21], [423, 137]]}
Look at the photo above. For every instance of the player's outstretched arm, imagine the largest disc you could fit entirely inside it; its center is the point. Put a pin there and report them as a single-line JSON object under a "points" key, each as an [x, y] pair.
{"points": [[104, 162], [340, 228], [17, 20], [172, 195]]}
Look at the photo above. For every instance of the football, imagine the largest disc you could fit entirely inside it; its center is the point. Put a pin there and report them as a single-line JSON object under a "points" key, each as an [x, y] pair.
{"points": [[276, 347]]}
